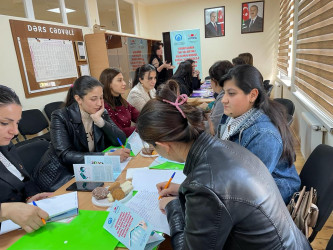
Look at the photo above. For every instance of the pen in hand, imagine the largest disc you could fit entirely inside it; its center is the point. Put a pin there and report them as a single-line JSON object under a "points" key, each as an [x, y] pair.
{"points": [[121, 144], [168, 183], [34, 203]]}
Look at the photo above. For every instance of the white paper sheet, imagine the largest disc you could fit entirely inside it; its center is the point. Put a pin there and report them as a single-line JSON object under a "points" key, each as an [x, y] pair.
{"points": [[135, 143], [96, 172], [130, 171], [145, 204], [147, 180]]}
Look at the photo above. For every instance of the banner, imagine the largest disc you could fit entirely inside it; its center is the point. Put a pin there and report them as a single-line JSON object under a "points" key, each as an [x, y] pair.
{"points": [[137, 53], [185, 44]]}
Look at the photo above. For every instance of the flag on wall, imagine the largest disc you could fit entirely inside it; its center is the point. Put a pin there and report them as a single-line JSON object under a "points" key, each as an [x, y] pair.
{"points": [[246, 13], [220, 20]]}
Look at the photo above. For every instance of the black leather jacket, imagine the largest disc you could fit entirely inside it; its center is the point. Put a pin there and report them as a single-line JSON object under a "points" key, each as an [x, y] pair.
{"points": [[229, 200]]}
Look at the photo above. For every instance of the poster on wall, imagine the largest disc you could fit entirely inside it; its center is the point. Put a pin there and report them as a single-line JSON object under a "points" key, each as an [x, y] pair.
{"points": [[214, 22], [185, 44], [252, 17], [137, 53]]}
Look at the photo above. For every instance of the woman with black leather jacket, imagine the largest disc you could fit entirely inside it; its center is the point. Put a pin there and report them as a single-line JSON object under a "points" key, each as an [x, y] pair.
{"points": [[82, 127], [229, 199]]}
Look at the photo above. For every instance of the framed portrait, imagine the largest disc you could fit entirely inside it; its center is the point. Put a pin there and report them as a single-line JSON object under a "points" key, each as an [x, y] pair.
{"points": [[252, 17], [214, 22]]}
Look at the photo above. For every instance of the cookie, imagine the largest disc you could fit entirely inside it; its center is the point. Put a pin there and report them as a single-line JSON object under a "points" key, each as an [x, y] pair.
{"points": [[113, 186], [126, 187], [100, 193], [118, 194], [147, 151]]}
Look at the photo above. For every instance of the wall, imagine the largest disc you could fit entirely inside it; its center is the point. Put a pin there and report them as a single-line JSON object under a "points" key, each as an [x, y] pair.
{"points": [[190, 15]]}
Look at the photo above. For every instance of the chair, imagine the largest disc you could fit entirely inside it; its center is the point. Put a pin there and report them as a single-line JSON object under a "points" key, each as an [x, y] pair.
{"points": [[32, 122], [268, 87], [290, 108], [317, 172], [49, 108], [31, 153], [330, 244]]}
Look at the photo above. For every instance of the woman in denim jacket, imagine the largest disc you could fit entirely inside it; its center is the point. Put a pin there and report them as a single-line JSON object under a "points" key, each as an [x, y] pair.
{"points": [[257, 123]]}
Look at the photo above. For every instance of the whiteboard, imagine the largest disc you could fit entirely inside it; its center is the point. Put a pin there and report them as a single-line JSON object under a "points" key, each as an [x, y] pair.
{"points": [[52, 59]]}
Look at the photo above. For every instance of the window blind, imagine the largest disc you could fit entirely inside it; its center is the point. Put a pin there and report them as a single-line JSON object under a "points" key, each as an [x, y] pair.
{"points": [[314, 52], [285, 35]]}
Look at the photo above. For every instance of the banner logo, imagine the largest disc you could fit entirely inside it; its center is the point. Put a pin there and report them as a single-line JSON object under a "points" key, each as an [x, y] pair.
{"points": [[178, 37]]}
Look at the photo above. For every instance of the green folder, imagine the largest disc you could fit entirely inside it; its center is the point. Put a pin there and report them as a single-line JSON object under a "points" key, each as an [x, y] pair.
{"points": [[83, 232], [169, 165], [113, 147]]}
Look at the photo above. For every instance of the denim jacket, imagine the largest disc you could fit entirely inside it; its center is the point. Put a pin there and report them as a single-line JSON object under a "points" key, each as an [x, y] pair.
{"points": [[259, 135]]}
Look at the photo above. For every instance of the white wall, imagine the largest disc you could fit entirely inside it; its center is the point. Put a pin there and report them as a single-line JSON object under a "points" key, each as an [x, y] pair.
{"points": [[190, 15]]}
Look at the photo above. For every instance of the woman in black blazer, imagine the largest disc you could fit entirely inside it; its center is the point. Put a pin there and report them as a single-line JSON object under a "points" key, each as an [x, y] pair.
{"points": [[15, 183]]}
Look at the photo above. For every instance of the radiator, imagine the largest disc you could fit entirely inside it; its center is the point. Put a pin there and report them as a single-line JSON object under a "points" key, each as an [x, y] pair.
{"points": [[311, 134], [277, 90]]}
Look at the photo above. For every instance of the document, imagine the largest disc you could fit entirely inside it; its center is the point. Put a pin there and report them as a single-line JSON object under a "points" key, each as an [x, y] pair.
{"points": [[58, 207], [134, 143], [96, 172], [113, 160], [147, 180], [131, 229]]}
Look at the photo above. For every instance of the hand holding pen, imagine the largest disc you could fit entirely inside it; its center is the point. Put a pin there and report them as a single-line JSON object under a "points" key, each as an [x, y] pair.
{"points": [[124, 153]]}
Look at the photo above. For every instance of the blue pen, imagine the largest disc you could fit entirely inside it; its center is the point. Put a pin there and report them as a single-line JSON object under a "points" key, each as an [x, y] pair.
{"points": [[121, 144], [34, 203]]}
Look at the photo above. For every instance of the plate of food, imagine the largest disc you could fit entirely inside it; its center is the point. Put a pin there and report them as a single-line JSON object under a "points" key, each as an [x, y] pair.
{"points": [[105, 196], [148, 152]]}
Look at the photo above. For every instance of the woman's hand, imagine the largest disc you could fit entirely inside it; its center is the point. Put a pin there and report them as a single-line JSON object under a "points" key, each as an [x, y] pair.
{"points": [[196, 73], [39, 196], [97, 117], [124, 153], [164, 201], [27, 216], [172, 190]]}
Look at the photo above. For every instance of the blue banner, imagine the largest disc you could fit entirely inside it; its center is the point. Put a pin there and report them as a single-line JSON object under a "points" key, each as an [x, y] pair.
{"points": [[185, 44]]}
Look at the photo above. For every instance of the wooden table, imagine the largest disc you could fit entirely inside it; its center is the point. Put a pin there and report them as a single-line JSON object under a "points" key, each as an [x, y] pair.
{"points": [[199, 100], [85, 202]]}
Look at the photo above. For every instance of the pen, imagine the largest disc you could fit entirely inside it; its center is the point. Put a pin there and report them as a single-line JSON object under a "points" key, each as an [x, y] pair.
{"points": [[121, 144], [34, 203], [168, 183]]}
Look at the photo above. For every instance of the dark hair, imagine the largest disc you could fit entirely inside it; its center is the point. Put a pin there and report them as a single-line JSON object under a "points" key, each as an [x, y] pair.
{"points": [[219, 69], [106, 79], [8, 96], [184, 71], [247, 78], [162, 122], [247, 57], [82, 86], [156, 46], [238, 61], [190, 60], [141, 71]]}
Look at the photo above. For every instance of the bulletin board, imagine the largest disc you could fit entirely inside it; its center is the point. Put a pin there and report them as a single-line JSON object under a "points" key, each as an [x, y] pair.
{"points": [[47, 56]]}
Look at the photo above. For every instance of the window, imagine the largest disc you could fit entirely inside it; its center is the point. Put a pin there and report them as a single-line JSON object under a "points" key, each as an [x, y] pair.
{"points": [[126, 17], [78, 16], [12, 8], [107, 14], [314, 52], [47, 10]]}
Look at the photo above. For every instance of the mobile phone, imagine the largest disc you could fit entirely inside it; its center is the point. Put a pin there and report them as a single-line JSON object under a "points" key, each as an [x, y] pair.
{"points": [[84, 186]]}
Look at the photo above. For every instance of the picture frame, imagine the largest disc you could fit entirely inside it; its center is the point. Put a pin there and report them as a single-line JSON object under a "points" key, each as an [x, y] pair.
{"points": [[80, 51], [214, 21], [252, 17]]}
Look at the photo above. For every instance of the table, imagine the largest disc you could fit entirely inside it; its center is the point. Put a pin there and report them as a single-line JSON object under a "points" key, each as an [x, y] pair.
{"points": [[85, 203]]}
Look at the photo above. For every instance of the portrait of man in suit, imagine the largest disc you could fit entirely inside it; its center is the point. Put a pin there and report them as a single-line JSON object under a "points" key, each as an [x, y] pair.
{"points": [[214, 26], [252, 20]]}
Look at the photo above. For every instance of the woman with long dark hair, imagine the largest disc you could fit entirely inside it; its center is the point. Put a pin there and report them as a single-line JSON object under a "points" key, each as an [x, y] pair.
{"points": [[82, 127], [259, 124], [228, 200], [143, 86], [196, 81], [183, 76], [120, 111]]}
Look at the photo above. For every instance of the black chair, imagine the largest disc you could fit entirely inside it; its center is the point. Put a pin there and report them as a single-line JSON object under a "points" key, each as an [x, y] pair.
{"points": [[31, 153], [330, 244], [290, 108], [317, 172], [268, 87], [32, 122], [49, 108]]}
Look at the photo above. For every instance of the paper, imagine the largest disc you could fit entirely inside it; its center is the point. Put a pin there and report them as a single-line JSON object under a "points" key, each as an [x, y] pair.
{"points": [[130, 171], [113, 160], [96, 172], [7, 226], [147, 180], [124, 163], [129, 228], [145, 204], [134, 143], [84, 69]]}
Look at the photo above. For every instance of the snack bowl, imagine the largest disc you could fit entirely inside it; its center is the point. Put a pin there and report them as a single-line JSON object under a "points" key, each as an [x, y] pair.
{"points": [[106, 203]]}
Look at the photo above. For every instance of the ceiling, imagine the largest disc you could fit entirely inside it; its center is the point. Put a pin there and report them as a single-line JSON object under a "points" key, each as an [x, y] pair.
{"points": [[156, 2]]}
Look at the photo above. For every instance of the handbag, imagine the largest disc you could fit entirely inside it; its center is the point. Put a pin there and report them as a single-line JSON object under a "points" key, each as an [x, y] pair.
{"points": [[303, 209]]}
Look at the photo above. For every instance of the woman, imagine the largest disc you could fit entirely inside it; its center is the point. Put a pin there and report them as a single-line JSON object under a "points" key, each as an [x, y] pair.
{"points": [[15, 183], [183, 76], [228, 199], [121, 112], [247, 58], [259, 124], [196, 81], [143, 86], [82, 127], [156, 59], [216, 71]]}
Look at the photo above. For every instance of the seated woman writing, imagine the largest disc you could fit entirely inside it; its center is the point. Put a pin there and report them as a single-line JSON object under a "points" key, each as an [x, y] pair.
{"points": [[15, 183], [120, 111], [143, 86], [259, 124], [228, 200], [82, 127]]}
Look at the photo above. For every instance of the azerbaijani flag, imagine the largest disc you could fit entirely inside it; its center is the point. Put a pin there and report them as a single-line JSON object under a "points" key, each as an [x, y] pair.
{"points": [[220, 20], [246, 13]]}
